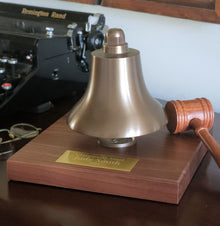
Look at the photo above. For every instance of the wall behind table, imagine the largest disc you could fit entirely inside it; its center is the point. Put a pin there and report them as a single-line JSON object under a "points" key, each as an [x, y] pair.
{"points": [[180, 58]]}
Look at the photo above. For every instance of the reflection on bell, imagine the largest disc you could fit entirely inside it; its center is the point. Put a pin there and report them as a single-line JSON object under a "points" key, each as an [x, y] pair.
{"points": [[116, 106]]}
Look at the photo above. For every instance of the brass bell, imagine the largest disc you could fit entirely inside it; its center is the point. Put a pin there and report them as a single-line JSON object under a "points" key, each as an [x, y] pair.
{"points": [[116, 106]]}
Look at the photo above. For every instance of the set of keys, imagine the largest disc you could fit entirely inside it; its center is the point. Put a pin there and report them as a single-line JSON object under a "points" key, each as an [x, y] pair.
{"points": [[18, 132]]}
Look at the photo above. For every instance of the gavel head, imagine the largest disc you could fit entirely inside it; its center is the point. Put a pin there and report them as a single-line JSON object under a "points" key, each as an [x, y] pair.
{"points": [[180, 113]]}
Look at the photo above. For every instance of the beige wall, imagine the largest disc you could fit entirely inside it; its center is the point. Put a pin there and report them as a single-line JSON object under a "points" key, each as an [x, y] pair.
{"points": [[180, 58]]}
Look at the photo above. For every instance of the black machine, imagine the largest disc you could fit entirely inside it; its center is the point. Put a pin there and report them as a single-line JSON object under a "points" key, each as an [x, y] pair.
{"points": [[44, 54]]}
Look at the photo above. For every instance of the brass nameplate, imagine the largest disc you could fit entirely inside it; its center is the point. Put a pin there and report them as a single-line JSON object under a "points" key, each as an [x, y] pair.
{"points": [[40, 13], [97, 160]]}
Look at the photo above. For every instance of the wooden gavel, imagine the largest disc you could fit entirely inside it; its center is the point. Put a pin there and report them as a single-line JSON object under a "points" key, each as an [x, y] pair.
{"points": [[195, 114]]}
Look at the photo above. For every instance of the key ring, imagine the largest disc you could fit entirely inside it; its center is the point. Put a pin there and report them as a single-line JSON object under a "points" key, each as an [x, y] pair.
{"points": [[20, 131]]}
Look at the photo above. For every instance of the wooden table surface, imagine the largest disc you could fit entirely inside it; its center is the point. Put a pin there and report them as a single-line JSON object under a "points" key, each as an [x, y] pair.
{"points": [[30, 204]]}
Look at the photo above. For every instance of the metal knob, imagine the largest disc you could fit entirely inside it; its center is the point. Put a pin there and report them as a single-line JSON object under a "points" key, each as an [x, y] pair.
{"points": [[3, 59], [2, 70], [72, 26], [49, 31], [115, 42], [12, 62]]}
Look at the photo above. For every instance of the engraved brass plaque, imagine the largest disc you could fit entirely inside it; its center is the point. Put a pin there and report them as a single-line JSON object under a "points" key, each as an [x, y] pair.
{"points": [[97, 160]]}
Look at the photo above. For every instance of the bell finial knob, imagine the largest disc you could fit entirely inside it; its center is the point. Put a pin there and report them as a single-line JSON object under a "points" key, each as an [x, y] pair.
{"points": [[115, 42]]}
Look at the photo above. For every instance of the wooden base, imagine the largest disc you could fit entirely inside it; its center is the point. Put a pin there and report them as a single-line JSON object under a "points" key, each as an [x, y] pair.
{"points": [[164, 170]]}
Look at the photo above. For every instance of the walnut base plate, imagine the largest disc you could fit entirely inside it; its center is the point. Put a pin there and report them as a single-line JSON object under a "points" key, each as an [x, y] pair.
{"points": [[165, 168]]}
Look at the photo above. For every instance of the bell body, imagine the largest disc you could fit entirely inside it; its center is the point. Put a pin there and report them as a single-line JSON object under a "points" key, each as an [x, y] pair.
{"points": [[116, 103]]}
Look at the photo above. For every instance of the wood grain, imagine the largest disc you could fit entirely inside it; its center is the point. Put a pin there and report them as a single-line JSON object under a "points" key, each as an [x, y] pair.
{"points": [[180, 113], [165, 168], [207, 139], [217, 7], [195, 10], [208, 4], [194, 114]]}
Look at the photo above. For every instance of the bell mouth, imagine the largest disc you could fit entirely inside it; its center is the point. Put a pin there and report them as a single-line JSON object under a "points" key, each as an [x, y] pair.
{"points": [[116, 142]]}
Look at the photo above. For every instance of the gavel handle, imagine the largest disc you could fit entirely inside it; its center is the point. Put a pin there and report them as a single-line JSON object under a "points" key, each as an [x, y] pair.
{"points": [[207, 139]]}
